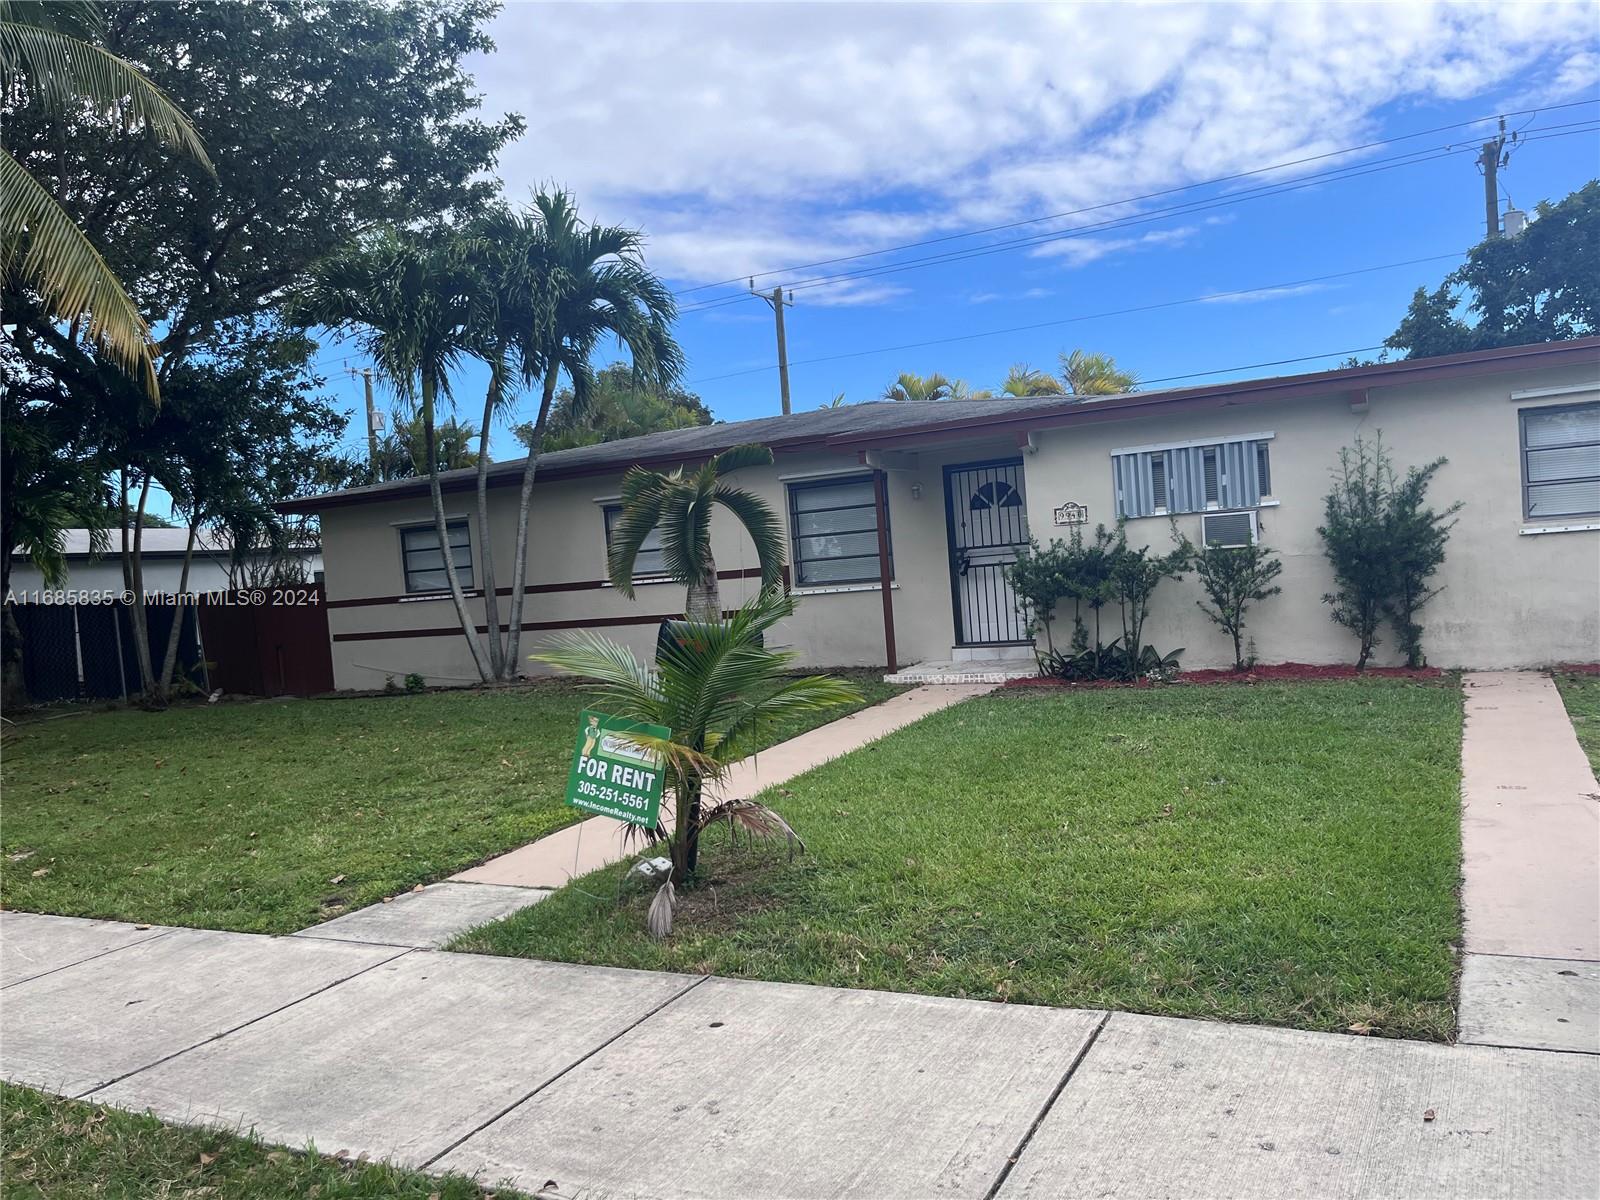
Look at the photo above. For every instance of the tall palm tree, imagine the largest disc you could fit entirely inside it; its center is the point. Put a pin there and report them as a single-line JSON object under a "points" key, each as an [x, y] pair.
{"points": [[402, 454], [46, 57], [410, 300], [720, 691], [1095, 375], [680, 506], [567, 287], [1023, 380], [919, 387]]}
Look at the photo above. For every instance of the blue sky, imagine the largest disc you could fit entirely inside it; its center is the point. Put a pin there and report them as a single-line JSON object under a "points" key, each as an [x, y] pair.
{"points": [[749, 139]]}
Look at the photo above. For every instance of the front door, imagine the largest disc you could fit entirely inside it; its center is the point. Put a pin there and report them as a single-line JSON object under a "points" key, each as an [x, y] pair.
{"points": [[987, 516]]}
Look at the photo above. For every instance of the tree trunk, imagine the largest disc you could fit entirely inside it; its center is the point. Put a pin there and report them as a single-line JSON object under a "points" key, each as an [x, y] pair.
{"points": [[133, 576], [170, 661], [519, 570], [429, 390], [705, 597], [686, 845], [491, 601]]}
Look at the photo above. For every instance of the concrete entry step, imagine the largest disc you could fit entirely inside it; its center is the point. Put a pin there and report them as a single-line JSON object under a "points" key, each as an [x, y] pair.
{"points": [[426, 919], [1537, 1003], [966, 671]]}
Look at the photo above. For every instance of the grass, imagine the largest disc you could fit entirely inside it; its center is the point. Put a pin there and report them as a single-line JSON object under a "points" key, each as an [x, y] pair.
{"points": [[273, 816], [1581, 694], [65, 1149], [1286, 854]]}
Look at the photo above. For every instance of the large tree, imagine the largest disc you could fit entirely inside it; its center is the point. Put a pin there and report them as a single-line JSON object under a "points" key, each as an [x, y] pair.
{"points": [[566, 287], [49, 60], [618, 407], [411, 301], [321, 120], [1086, 374], [1542, 285]]}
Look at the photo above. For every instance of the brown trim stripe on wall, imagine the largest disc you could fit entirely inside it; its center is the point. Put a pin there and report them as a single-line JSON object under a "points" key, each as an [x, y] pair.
{"points": [[527, 627], [532, 589]]}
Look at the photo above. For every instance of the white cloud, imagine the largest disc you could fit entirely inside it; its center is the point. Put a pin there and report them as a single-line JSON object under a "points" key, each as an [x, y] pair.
{"points": [[745, 137]]}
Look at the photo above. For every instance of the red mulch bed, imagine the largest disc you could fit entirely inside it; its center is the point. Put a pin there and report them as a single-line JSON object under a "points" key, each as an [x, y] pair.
{"points": [[1276, 673], [1578, 669]]}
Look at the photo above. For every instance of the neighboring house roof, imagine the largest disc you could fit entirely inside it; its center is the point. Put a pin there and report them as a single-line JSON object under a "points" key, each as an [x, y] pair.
{"points": [[907, 422], [156, 543]]}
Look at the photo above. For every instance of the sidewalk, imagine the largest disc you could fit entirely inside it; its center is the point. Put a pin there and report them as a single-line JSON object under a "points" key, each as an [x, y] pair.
{"points": [[634, 1084], [1530, 840]]}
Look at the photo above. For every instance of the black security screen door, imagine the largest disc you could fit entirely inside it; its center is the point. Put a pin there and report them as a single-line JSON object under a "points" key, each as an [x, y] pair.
{"points": [[987, 518]]}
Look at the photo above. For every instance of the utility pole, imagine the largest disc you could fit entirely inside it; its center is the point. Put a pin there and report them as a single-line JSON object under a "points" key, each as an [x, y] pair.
{"points": [[777, 302], [372, 423], [1491, 160]]}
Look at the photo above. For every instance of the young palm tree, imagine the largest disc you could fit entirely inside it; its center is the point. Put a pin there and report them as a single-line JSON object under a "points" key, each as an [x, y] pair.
{"points": [[565, 288], [1095, 375], [46, 57], [1023, 380], [719, 691], [680, 506], [919, 387], [411, 302]]}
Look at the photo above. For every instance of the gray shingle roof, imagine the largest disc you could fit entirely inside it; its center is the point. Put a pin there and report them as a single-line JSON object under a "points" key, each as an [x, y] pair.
{"points": [[881, 416]]}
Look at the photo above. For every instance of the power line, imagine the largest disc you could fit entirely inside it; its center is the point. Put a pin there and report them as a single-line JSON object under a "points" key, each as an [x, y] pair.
{"points": [[1277, 362], [1336, 175], [1135, 199], [1209, 297]]}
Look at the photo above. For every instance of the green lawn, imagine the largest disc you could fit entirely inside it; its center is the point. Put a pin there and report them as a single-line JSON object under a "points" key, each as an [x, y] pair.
{"points": [[65, 1149], [1287, 854], [1581, 693], [273, 816]]}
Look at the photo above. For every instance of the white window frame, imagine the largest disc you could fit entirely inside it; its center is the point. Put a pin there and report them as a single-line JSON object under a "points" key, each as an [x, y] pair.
{"points": [[1562, 522]]}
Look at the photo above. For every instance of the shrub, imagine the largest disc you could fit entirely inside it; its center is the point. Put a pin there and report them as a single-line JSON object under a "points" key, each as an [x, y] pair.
{"points": [[1384, 544], [1234, 577], [1131, 582], [1043, 577], [416, 683], [1417, 535], [1093, 574]]}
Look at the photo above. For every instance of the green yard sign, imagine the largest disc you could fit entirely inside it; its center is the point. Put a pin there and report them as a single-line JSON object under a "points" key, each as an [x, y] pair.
{"points": [[611, 774]]}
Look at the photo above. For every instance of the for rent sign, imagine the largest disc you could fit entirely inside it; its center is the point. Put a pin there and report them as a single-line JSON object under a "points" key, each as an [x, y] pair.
{"points": [[613, 775]]}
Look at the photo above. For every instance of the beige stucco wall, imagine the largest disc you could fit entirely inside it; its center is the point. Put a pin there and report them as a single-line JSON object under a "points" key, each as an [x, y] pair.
{"points": [[1509, 598], [831, 627]]}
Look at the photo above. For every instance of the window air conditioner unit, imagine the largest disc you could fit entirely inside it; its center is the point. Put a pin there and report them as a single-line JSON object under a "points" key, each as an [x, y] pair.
{"points": [[1228, 529]]}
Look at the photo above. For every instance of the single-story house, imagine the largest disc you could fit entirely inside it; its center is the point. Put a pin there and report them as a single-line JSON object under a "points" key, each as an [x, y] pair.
{"points": [[964, 484], [161, 556]]}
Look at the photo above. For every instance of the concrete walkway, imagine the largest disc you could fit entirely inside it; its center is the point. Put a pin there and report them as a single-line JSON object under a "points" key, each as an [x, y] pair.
{"points": [[586, 1081], [589, 845], [1530, 834]]}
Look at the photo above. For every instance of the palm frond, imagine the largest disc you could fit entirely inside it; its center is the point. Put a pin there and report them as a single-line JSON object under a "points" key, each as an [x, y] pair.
{"points": [[645, 495], [755, 819], [659, 920], [685, 532], [763, 526], [736, 458], [69, 272], [64, 70], [626, 681], [812, 693]]}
